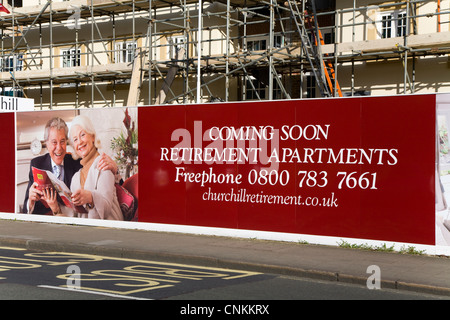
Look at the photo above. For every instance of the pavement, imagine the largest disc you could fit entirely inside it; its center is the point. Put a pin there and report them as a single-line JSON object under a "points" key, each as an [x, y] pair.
{"points": [[419, 273]]}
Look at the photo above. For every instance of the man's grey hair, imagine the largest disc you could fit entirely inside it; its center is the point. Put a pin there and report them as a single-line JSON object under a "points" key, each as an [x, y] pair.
{"points": [[56, 123]]}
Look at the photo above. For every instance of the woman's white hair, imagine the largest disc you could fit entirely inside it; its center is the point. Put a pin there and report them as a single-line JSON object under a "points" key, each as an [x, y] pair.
{"points": [[86, 124]]}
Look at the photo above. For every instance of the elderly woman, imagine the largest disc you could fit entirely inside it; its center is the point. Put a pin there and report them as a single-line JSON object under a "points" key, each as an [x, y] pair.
{"points": [[91, 187]]}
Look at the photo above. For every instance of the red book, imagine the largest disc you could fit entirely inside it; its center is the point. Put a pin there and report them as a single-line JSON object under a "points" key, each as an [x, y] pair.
{"points": [[47, 179]]}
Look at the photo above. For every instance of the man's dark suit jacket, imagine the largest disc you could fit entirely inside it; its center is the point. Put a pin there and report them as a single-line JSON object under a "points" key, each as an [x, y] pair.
{"points": [[43, 162]]}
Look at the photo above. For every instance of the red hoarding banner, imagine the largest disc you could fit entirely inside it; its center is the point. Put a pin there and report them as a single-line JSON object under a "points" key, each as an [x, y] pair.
{"points": [[354, 167], [8, 162]]}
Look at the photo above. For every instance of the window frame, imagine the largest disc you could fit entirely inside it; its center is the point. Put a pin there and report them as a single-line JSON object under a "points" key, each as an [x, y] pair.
{"points": [[262, 43], [392, 24], [10, 63], [125, 51], [70, 57], [259, 93], [175, 44]]}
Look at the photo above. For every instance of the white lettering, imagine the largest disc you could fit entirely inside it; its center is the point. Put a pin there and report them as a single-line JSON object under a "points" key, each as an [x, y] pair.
{"points": [[310, 132]]}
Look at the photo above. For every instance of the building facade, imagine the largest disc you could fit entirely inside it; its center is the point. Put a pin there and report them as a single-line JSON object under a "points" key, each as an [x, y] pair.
{"points": [[102, 53]]}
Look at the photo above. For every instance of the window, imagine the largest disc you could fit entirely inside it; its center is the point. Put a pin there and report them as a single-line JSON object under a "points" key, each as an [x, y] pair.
{"points": [[310, 86], [176, 44], [255, 45], [71, 58], [254, 89], [12, 63], [277, 92], [392, 24], [125, 51], [12, 92], [278, 41], [386, 26], [401, 25], [328, 37], [17, 3]]}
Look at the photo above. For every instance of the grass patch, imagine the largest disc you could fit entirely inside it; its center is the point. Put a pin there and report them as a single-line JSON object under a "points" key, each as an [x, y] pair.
{"points": [[381, 248]]}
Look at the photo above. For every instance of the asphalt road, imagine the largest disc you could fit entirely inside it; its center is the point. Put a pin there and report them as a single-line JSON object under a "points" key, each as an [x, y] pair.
{"points": [[27, 275]]}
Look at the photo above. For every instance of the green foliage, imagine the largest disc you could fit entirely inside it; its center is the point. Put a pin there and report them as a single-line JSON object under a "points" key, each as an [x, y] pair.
{"points": [[125, 146], [383, 248]]}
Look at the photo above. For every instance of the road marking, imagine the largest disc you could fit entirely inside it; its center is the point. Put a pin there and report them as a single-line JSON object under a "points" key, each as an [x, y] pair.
{"points": [[93, 292], [11, 248], [104, 242], [123, 281], [50, 255]]}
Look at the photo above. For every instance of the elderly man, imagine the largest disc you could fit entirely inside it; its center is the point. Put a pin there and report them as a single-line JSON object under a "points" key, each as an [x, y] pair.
{"points": [[59, 162]]}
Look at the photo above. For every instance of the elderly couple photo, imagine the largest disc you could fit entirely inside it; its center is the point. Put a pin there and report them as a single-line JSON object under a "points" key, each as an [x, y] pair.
{"points": [[98, 181]]}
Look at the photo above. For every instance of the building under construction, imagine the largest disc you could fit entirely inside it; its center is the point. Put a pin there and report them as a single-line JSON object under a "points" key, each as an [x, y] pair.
{"points": [[102, 53]]}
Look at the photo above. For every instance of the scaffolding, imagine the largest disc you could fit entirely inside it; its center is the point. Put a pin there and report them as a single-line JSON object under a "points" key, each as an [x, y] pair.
{"points": [[101, 53]]}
